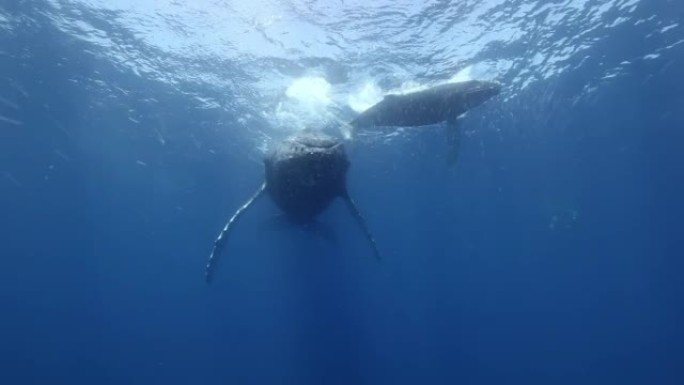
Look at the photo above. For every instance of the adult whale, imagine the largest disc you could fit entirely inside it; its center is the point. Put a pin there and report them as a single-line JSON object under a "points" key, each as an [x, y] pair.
{"points": [[305, 173]]}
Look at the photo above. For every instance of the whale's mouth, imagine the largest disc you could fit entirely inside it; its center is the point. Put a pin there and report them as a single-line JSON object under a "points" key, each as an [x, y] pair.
{"points": [[485, 89], [318, 141], [320, 145], [479, 92]]}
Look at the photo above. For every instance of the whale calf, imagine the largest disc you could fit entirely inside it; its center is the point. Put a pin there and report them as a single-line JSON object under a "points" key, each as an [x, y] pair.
{"points": [[442, 103], [431, 106]]}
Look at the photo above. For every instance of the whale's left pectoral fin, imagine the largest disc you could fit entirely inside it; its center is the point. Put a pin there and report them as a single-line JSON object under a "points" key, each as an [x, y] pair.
{"points": [[220, 242], [354, 210], [454, 136]]}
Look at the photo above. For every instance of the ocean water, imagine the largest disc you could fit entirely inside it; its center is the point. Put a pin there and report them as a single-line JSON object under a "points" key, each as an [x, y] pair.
{"points": [[130, 131]]}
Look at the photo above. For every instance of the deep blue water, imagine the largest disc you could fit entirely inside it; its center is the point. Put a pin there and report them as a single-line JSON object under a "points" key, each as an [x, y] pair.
{"points": [[551, 253]]}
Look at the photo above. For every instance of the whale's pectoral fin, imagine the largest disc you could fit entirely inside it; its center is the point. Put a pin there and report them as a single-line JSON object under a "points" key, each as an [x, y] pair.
{"points": [[454, 136], [361, 222], [223, 236]]}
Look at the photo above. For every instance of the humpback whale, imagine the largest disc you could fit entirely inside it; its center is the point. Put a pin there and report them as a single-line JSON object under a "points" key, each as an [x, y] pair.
{"points": [[305, 173], [431, 106], [442, 103]]}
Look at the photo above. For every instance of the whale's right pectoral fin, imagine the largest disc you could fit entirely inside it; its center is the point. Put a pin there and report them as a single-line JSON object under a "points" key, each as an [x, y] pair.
{"points": [[223, 236], [361, 222]]}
